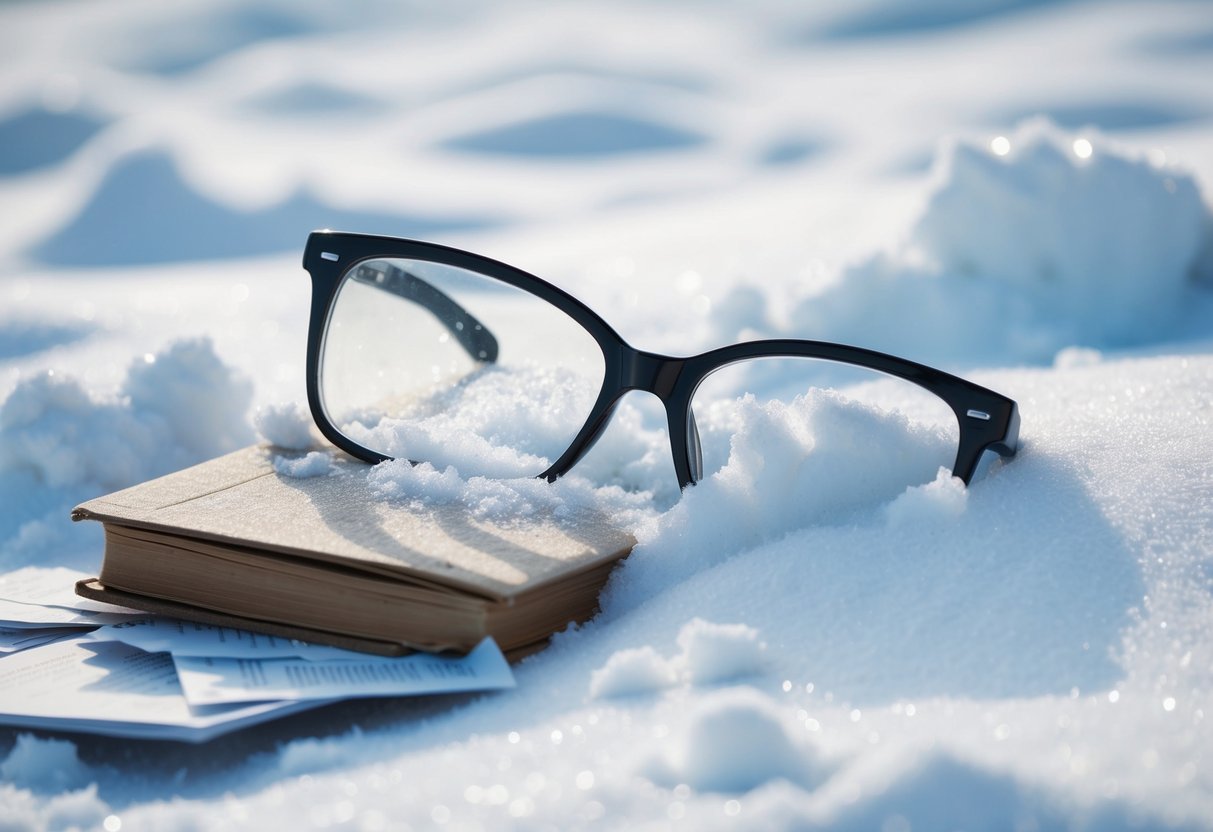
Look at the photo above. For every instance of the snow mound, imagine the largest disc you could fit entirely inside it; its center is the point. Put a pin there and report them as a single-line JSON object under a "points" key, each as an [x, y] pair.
{"points": [[818, 460], [733, 741], [919, 788], [708, 653], [719, 652], [44, 765], [177, 407], [286, 425], [1035, 242], [313, 464], [632, 671], [81, 809], [944, 498]]}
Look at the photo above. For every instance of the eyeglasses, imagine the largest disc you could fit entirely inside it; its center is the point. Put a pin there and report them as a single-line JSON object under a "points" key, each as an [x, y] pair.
{"points": [[422, 352]]}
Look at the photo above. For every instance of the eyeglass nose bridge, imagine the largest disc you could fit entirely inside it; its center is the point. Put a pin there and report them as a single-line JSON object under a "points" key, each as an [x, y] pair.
{"points": [[631, 370], [663, 376]]}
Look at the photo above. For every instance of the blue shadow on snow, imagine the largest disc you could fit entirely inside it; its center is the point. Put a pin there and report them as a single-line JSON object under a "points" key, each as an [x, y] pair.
{"points": [[143, 213]]}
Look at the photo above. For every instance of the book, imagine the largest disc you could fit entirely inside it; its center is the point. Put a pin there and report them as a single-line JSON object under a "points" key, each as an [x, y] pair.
{"points": [[235, 543]]}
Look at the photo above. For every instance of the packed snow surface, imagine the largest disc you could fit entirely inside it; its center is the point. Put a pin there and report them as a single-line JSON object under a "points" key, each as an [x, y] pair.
{"points": [[829, 630]]}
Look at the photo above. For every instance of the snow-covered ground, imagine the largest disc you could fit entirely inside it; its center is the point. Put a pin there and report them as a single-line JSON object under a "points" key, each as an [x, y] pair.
{"points": [[814, 636]]}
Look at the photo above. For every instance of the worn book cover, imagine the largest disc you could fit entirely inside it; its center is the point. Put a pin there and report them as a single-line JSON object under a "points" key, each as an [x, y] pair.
{"points": [[326, 559]]}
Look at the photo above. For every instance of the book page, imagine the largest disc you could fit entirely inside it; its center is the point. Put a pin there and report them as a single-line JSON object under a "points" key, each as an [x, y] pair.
{"points": [[208, 681], [115, 689], [188, 638]]}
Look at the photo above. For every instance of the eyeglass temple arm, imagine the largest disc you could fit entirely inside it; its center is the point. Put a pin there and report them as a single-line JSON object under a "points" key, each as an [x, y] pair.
{"points": [[472, 335], [983, 433]]}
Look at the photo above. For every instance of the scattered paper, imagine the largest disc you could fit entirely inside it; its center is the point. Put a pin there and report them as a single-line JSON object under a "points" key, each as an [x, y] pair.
{"points": [[160, 678], [114, 689], [16, 615], [187, 638], [52, 587], [208, 681], [13, 639], [39, 596]]}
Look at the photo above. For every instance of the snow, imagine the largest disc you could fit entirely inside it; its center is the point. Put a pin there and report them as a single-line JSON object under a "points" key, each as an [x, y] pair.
{"points": [[719, 652], [734, 741], [1080, 243], [707, 653], [630, 671], [286, 425], [828, 631], [179, 405], [311, 464]]}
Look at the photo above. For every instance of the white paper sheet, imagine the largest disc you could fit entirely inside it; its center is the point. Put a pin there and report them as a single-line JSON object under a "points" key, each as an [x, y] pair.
{"points": [[38, 596], [115, 689], [187, 638], [208, 680], [13, 639]]}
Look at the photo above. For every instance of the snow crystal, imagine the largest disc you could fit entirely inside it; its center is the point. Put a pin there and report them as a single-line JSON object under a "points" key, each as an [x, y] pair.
{"points": [[312, 464], [287, 425], [719, 652], [734, 741], [631, 671]]}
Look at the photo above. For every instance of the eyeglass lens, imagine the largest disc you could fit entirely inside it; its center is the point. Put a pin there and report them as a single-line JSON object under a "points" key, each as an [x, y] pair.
{"points": [[825, 411], [494, 380]]}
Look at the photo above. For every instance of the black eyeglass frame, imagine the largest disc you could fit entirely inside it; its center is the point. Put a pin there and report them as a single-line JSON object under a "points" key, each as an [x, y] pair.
{"points": [[988, 421]]}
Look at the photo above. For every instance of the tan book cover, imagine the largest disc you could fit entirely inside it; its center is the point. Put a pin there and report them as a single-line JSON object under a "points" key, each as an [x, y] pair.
{"points": [[325, 559]]}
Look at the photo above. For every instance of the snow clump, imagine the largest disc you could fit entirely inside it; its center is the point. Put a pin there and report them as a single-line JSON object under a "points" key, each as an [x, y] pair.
{"points": [[719, 652], [176, 408], [44, 765], [286, 425], [313, 464], [944, 498], [1029, 244], [708, 653], [733, 741], [515, 500], [632, 671]]}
